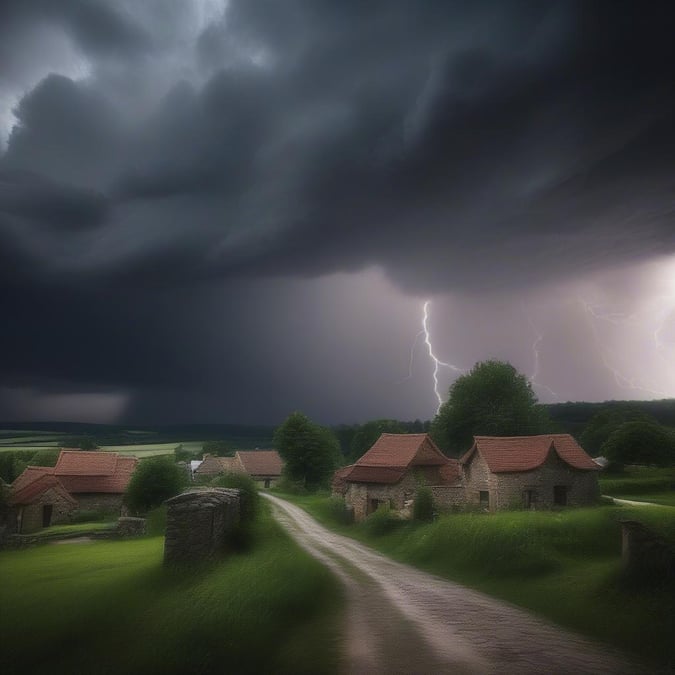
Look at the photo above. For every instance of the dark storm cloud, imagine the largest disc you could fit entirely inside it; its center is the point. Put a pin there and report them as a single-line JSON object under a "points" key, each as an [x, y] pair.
{"points": [[457, 146]]}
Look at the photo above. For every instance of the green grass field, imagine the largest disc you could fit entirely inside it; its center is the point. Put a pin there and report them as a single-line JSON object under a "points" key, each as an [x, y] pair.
{"points": [[564, 565], [110, 607]]}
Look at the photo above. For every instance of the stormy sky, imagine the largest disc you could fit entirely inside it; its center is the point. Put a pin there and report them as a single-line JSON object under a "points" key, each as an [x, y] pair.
{"points": [[226, 211]]}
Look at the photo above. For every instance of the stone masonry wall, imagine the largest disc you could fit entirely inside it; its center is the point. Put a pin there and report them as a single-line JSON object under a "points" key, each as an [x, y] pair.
{"points": [[101, 501], [447, 497], [478, 479], [199, 523], [30, 515], [359, 494], [582, 486]]}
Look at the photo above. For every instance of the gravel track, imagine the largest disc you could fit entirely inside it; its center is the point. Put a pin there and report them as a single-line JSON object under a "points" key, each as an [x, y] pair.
{"points": [[403, 620]]}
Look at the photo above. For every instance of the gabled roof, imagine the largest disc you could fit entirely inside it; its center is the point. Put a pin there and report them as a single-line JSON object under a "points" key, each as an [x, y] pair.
{"points": [[84, 471], [213, 465], [392, 455], [85, 463], [524, 453], [260, 462], [30, 491]]}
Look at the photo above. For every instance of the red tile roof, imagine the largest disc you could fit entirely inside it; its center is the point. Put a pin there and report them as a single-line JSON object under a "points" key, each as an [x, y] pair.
{"points": [[260, 462], [392, 455], [213, 465], [30, 474], [524, 453], [85, 463], [31, 491]]}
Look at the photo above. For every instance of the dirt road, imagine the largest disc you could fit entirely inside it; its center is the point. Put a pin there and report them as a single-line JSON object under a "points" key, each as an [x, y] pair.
{"points": [[402, 620]]}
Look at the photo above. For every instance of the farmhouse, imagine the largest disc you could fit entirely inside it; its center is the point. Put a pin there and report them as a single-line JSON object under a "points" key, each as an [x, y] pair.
{"points": [[528, 471], [496, 473], [264, 466], [81, 480], [391, 472]]}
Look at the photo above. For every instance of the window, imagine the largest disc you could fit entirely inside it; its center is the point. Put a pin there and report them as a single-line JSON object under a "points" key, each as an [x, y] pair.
{"points": [[484, 499], [560, 495], [529, 499]]}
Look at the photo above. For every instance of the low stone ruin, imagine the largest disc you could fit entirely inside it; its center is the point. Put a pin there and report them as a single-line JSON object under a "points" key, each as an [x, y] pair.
{"points": [[645, 554], [128, 526], [200, 523]]}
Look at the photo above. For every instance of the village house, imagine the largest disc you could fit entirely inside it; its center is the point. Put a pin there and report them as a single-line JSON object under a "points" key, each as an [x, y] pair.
{"points": [[496, 473], [80, 480], [264, 466], [529, 471], [392, 471]]}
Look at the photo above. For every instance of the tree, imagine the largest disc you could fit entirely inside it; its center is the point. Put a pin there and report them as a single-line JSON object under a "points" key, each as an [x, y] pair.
{"points": [[310, 451], [494, 399], [155, 480], [46, 457], [640, 442], [605, 422]]}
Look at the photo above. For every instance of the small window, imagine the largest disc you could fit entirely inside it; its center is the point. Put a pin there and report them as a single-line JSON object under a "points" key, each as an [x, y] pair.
{"points": [[529, 499], [560, 495], [484, 499]]}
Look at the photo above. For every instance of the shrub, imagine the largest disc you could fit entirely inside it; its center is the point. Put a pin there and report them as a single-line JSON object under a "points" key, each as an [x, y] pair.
{"points": [[423, 507], [155, 480], [45, 458], [338, 511], [382, 522], [85, 516], [250, 498]]}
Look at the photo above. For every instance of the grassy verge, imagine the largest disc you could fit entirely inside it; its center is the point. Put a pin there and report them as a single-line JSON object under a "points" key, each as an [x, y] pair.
{"points": [[563, 565], [110, 607], [75, 528], [638, 480]]}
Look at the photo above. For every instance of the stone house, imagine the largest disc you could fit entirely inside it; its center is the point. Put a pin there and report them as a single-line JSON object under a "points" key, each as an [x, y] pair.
{"points": [[392, 471], [496, 473], [528, 472], [264, 466], [80, 480]]}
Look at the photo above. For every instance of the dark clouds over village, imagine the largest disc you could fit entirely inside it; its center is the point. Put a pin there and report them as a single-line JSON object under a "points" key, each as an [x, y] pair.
{"points": [[227, 211]]}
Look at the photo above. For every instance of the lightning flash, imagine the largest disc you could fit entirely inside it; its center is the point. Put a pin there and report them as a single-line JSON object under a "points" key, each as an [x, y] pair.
{"points": [[436, 361]]}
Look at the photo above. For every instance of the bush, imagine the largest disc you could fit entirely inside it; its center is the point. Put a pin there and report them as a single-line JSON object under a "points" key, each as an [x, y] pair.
{"points": [[155, 480], [382, 522], [338, 511], [423, 507], [45, 458], [85, 516], [250, 498]]}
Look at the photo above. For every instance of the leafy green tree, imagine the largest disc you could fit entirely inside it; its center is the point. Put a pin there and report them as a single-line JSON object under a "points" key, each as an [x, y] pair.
{"points": [[79, 442], [310, 451], [640, 442], [7, 467], [605, 422], [423, 506], [155, 480], [493, 399], [369, 432]]}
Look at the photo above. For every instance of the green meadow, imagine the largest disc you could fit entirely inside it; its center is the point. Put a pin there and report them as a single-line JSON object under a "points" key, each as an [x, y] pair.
{"points": [[564, 565], [111, 607]]}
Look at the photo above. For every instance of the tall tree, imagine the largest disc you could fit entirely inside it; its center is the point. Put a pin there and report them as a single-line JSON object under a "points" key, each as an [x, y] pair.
{"points": [[369, 432], [493, 399], [310, 451], [640, 442]]}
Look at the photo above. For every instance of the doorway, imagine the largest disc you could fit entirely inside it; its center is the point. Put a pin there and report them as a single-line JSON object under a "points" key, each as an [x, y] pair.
{"points": [[47, 515]]}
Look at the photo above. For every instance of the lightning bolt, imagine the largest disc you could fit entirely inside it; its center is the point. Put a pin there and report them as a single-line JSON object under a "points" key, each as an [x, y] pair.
{"points": [[436, 361], [538, 338]]}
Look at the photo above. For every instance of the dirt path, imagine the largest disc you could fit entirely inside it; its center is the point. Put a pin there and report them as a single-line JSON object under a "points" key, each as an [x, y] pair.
{"points": [[402, 620], [630, 502]]}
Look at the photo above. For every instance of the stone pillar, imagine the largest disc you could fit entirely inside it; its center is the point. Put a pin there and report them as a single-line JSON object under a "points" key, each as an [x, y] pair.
{"points": [[645, 553], [199, 523]]}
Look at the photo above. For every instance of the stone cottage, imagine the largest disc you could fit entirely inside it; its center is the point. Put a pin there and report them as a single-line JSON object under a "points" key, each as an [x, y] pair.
{"points": [[264, 466], [528, 472], [80, 480], [496, 473], [391, 472]]}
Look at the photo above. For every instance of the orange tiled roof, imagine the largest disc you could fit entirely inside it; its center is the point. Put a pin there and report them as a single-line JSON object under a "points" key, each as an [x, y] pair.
{"points": [[27, 493], [524, 453], [392, 455], [260, 462], [85, 463], [213, 465], [30, 474]]}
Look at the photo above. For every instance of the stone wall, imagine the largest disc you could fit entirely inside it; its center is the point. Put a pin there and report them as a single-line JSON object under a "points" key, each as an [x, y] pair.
{"points": [[363, 497], [101, 501], [581, 486], [29, 516], [130, 527], [200, 523], [507, 490], [449, 497]]}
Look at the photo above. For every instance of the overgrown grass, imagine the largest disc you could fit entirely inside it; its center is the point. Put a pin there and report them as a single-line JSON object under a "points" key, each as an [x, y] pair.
{"points": [[638, 480], [111, 607], [564, 565], [663, 498], [75, 528]]}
